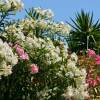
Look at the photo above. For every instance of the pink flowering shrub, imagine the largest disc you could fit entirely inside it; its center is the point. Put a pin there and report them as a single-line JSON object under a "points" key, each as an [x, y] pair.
{"points": [[91, 62], [92, 54]]}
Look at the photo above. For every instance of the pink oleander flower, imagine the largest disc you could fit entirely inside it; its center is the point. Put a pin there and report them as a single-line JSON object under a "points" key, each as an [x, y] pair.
{"points": [[94, 82], [97, 60], [91, 53], [34, 69], [98, 79], [24, 56], [20, 51], [91, 82]]}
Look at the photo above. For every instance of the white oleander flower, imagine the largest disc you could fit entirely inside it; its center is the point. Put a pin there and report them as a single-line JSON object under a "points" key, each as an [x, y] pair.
{"points": [[57, 50], [48, 13], [76, 71], [80, 95], [69, 74], [83, 72], [64, 28], [7, 59], [38, 10], [42, 24], [5, 69], [61, 28], [5, 5], [9, 56], [64, 53], [27, 23], [11, 4], [71, 64], [69, 92], [11, 29], [76, 94], [17, 4], [14, 34], [20, 36], [32, 42], [85, 94], [79, 81], [48, 60], [55, 57], [74, 57]]}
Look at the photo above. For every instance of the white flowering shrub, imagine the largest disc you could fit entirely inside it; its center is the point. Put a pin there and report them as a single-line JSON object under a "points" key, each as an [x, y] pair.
{"points": [[36, 65], [7, 59], [12, 5]]}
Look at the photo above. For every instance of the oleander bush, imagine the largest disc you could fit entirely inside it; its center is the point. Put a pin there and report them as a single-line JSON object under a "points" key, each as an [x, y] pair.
{"points": [[35, 63], [91, 62]]}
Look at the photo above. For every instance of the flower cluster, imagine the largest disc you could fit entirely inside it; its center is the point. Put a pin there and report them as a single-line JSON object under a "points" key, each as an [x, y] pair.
{"points": [[96, 59], [20, 51], [91, 62], [51, 53], [25, 57], [78, 76], [7, 59], [47, 13], [92, 54], [46, 26], [60, 27], [18, 34], [7, 5]]}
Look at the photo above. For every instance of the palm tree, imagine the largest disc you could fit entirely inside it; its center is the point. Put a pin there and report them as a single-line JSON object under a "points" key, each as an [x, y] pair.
{"points": [[85, 33]]}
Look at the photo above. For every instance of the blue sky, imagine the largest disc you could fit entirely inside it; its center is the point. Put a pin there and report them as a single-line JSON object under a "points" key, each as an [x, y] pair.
{"points": [[64, 9]]}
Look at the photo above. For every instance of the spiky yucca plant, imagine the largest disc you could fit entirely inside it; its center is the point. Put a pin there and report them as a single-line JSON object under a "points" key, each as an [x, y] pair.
{"points": [[85, 33]]}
